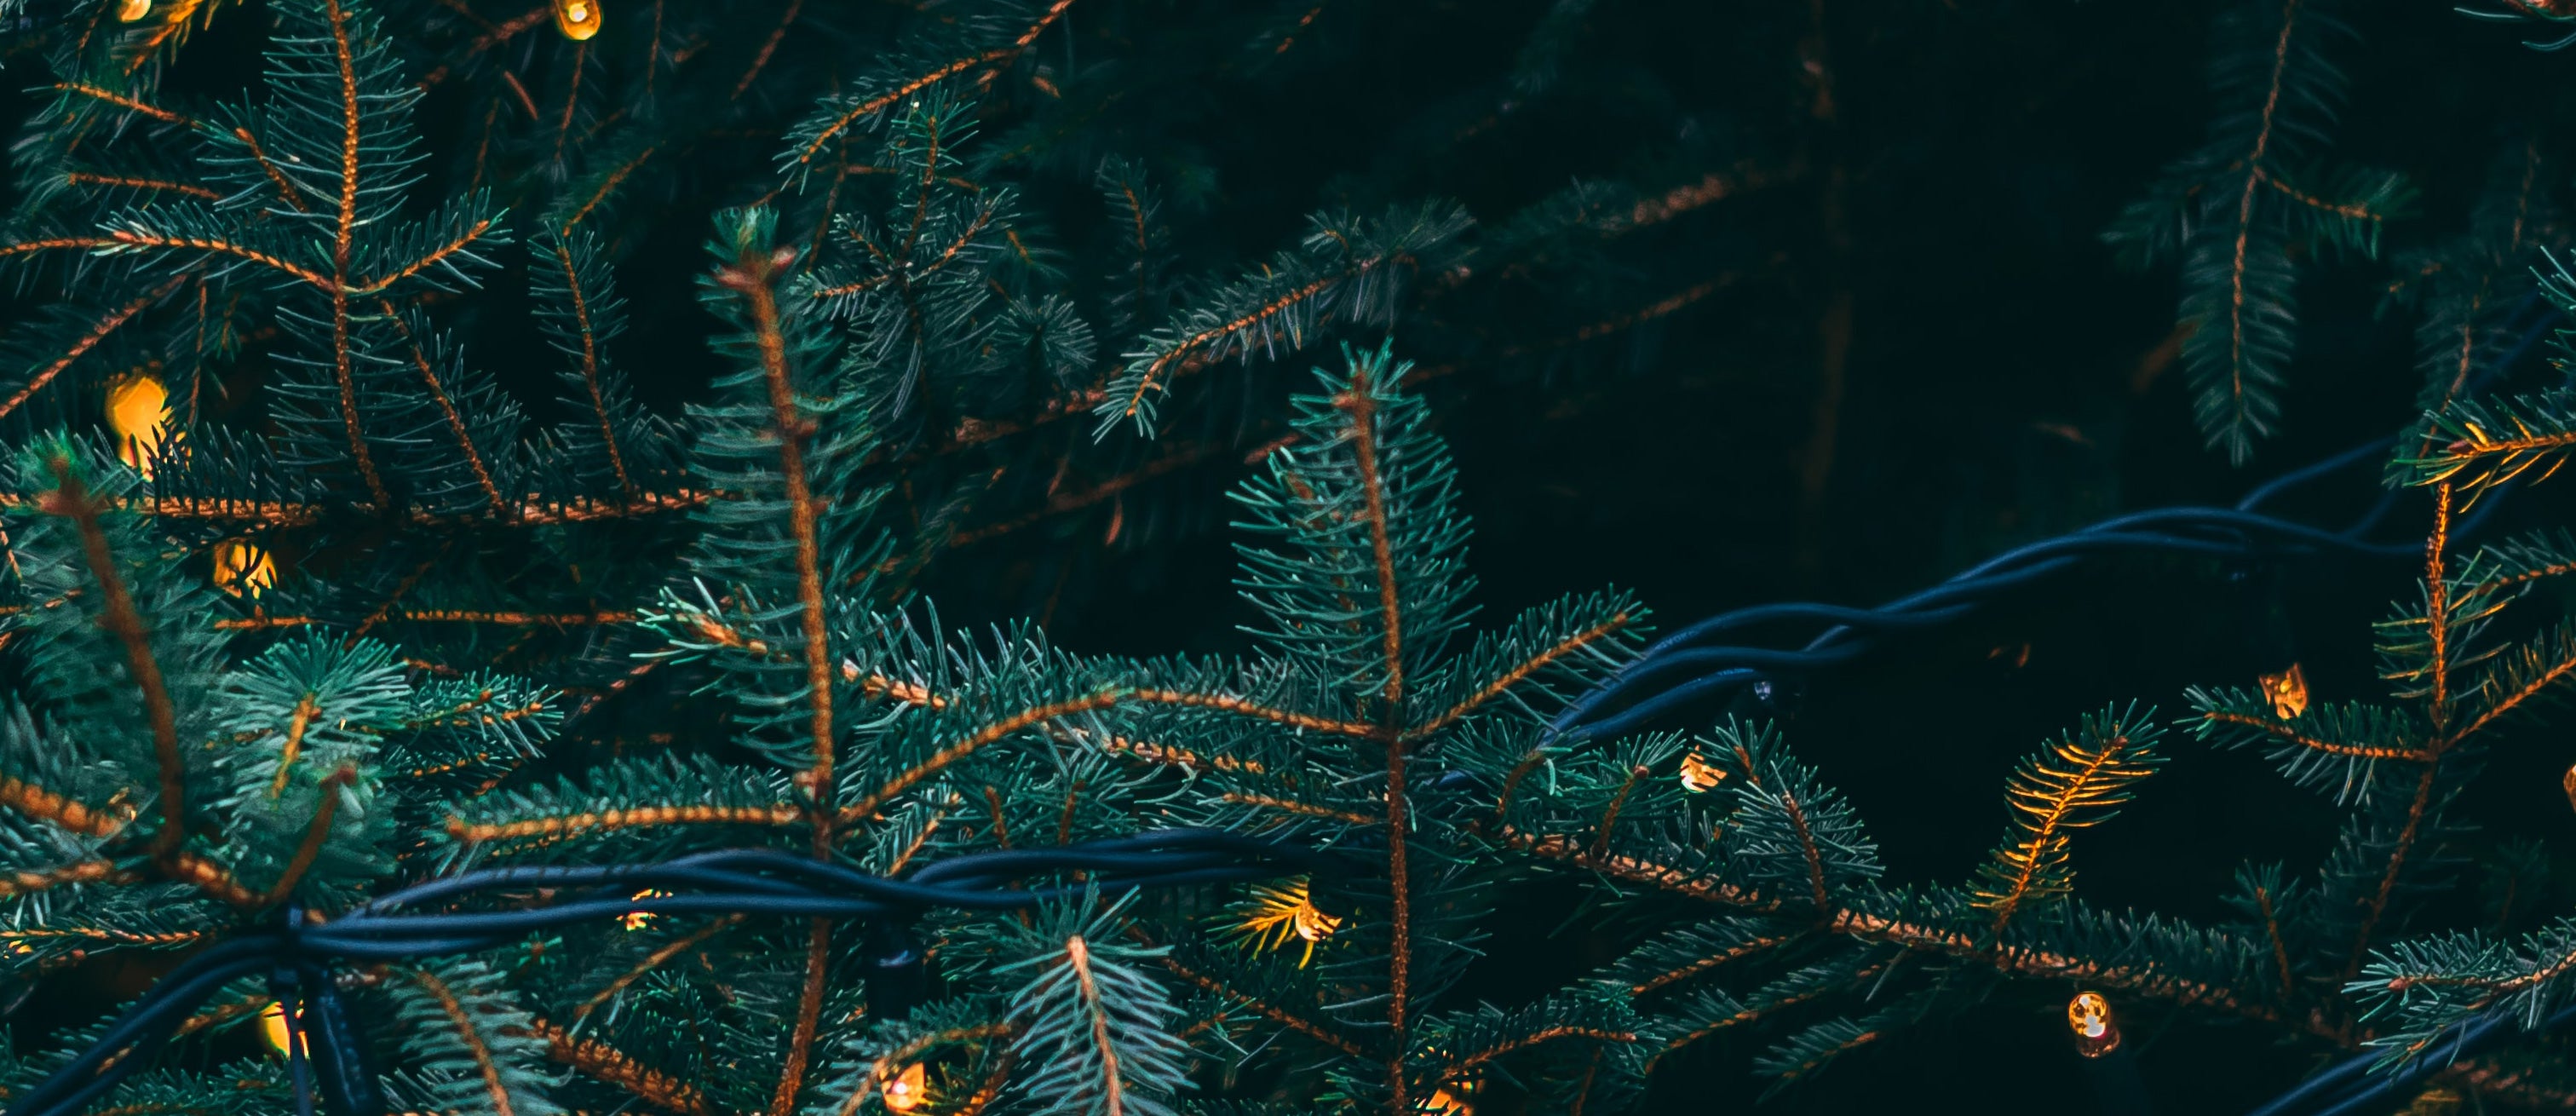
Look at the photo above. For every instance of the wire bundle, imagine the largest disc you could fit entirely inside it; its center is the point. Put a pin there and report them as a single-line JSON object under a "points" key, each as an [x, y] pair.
{"points": [[1688, 666], [296, 953]]}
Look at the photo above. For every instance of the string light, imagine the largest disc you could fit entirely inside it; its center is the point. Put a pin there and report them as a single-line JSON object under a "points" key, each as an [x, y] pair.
{"points": [[1277, 913], [1700, 776], [637, 920], [243, 568], [2288, 691], [2089, 1016], [1454, 1098], [272, 1026], [2569, 783], [906, 1090], [138, 413], [577, 19], [130, 11]]}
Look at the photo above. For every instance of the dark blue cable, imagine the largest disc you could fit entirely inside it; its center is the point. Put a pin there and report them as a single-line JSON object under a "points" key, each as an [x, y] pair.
{"points": [[728, 881], [2178, 529]]}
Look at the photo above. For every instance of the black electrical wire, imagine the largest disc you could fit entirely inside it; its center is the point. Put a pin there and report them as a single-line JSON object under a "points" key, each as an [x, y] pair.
{"points": [[404, 924], [1676, 672], [2350, 1088]]}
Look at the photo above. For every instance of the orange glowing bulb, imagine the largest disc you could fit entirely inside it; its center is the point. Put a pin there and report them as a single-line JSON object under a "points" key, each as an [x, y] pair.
{"points": [[577, 19], [1700, 776], [2288, 691], [138, 413], [272, 1026], [2089, 1016], [638, 920], [242, 569], [1313, 925], [1456, 1098], [905, 1091], [130, 11]]}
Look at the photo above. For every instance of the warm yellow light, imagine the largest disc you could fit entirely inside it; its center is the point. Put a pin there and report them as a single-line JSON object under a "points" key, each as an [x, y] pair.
{"points": [[2288, 691], [638, 920], [131, 10], [1456, 1098], [577, 19], [272, 1025], [1275, 914], [2089, 1016], [1699, 776], [905, 1091], [2569, 783], [1313, 925], [138, 413], [242, 569]]}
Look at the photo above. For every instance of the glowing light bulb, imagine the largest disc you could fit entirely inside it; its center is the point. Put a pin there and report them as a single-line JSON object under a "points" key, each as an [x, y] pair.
{"points": [[577, 19], [2288, 691], [243, 569], [129, 11], [2569, 782], [905, 1091], [637, 920], [1455, 1098], [2089, 1016], [138, 413], [1279, 913], [1313, 925], [1699, 776], [272, 1026]]}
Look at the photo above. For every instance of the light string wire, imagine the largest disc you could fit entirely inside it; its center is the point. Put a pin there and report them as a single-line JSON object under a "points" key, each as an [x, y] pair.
{"points": [[295, 951], [1677, 670]]}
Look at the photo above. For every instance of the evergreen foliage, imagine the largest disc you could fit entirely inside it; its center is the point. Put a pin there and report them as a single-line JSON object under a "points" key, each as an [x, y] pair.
{"points": [[966, 229]]}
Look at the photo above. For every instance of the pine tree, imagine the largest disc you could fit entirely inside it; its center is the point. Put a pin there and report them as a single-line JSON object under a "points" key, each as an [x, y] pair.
{"points": [[392, 566]]}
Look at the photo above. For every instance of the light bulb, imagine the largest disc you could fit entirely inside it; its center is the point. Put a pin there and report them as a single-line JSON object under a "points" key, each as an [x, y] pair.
{"points": [[906, 1090], [577, 19], [272, 1025], [128, 11], [242, 569], [1313, 925], [637, 920], [1455, 1098], [1277, 913], [1699, 776], [138, 413], [2089, 1016], [2288, 691]]}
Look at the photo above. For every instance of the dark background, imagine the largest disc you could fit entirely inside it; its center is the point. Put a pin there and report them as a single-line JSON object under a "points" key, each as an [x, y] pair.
{"points": [[2003, 385]]}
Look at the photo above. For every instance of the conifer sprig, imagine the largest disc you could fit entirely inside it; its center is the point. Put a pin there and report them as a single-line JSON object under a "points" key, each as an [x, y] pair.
{"points": [[2255, 198], [2076, 783]]}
